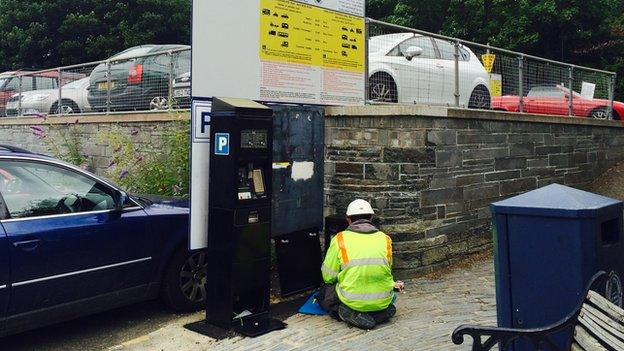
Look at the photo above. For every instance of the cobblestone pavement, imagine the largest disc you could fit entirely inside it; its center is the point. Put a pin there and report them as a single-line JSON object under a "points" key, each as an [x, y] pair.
{"points": [[426, 316]]}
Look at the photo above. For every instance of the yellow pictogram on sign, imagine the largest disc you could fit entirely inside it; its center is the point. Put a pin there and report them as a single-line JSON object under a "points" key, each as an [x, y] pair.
{"points": [[488, 62]]}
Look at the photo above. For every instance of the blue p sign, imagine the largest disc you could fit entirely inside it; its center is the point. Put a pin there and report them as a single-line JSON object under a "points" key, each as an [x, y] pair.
{"points": [[222, 144]]}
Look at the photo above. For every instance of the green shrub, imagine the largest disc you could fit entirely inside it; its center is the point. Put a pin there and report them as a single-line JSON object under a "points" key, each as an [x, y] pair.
{"points": [[163, 170]]}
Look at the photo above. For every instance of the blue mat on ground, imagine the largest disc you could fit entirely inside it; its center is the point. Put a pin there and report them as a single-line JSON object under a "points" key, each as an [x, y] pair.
{"points": [[312, 307]]}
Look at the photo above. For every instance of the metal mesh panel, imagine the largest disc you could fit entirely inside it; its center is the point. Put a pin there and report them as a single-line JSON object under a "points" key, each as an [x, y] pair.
{"points": [[409, 66]]}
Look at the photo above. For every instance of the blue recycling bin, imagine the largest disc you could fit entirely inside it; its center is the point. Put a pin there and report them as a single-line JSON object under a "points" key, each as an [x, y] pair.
{"points": [[548, 243]]}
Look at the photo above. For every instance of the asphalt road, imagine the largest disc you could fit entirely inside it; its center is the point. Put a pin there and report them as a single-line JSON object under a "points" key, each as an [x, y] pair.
{"points": [[96, 332]]}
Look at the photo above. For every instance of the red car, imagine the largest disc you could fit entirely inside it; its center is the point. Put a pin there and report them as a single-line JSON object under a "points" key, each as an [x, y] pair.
{"points": [[553, 100]]}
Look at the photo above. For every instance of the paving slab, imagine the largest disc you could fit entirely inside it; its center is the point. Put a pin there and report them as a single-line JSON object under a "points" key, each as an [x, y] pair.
{"points": [[426, 316]]}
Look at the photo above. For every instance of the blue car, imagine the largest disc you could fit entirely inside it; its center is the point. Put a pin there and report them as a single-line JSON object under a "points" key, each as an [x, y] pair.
{"points": [[72, 244]]}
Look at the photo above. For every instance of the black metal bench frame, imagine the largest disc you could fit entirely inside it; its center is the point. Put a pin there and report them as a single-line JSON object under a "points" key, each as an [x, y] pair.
{"points": [[538, 337]]}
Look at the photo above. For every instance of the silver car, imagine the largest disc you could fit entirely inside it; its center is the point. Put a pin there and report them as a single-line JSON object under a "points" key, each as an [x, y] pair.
{"points": [[73, 95]]}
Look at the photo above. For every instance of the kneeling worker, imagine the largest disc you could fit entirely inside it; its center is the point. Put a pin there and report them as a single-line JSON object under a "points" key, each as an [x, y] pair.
{"points": [[359, 287]]}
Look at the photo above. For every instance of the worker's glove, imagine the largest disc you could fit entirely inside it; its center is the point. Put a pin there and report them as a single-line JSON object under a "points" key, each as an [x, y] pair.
{"points": [[399, 286]]}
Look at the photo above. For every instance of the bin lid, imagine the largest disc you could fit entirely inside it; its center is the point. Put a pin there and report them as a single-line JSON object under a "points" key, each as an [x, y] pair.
{"points": [[556, 200]]}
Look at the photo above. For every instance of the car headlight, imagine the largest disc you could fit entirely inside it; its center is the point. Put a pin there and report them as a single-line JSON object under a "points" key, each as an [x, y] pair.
{"points": [[35, 97]]}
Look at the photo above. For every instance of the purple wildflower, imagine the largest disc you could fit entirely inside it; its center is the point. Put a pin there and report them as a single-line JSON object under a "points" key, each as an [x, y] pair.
{"points": [[123, 173], [111, 164], [176, 189], [139, 159], [38, 132]]}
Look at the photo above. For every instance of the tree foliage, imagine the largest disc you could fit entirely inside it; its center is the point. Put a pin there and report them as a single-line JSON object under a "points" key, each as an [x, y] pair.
{"points": [[48, 33]]}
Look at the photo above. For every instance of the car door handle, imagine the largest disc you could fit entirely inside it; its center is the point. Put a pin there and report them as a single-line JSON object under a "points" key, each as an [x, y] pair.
{"points": [[27, 245]]}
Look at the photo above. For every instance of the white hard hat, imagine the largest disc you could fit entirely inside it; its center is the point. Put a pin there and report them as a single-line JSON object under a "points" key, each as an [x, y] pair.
{"points": [[359, 207]]}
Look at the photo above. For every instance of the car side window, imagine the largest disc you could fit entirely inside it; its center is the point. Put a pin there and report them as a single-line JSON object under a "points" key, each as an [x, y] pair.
{"points": [[447, 51], [182, 62], [424, 43], [45, 83], [32, 189], [13, 84]]}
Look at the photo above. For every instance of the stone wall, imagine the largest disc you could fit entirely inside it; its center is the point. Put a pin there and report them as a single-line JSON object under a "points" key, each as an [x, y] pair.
{"points": [[430, 173], [92, 131]]}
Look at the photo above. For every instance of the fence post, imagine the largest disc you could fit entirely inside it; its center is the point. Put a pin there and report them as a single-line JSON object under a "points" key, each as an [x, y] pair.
{"points": [[571, 91], [521, 83], [366, 68], [611, 96], [108, 86], [171, 72], [60, 87], [456, 74], [19, 98]]}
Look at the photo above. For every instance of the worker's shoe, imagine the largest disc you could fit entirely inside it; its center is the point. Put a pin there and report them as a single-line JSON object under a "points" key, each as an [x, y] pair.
{"points": [[361, 320]]}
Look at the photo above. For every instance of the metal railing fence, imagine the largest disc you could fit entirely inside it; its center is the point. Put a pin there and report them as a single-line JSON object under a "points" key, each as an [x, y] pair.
{"points": [[403, 65], [150, 82], [406, 65]]}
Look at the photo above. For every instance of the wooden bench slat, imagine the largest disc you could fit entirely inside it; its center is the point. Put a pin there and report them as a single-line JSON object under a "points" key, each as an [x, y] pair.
{"points": [[606, 306], [586, 341], [599, 332], [605, 321], [576, 347]]}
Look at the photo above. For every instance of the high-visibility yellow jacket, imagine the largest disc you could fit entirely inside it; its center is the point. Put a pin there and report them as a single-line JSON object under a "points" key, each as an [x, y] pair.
{"points": [[359, 260]]}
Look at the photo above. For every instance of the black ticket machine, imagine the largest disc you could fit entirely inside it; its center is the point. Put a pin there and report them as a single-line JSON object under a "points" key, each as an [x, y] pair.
{"points": [[239, 237]]}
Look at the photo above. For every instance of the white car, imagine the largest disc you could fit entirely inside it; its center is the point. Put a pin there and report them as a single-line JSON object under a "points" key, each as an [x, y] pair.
{"points": [[73, 95], [411, 68]]}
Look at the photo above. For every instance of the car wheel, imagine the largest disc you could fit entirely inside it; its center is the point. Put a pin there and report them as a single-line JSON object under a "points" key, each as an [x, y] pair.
{"points": [[159, 103], [600, 113], [382, 88], [183, 287], [480, 98], [67, 108]]}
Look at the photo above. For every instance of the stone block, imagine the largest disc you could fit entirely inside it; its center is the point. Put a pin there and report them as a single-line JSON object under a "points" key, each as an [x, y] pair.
{"points": [[465, 137], [469, 179], [399, 155], [486, 153], [440, 196], [381, 171], [525, 138], [546, 150], [527, 149], [560, 160], [510, 163], [481, 192], [517, 186], [448, 158], [442, 137], [435, 255], [537, 162], [350, 168], [501, 175], [543, 172]]}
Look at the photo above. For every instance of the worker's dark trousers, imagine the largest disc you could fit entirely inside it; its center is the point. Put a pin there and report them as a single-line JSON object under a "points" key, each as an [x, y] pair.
{"points": [[328, 299]]}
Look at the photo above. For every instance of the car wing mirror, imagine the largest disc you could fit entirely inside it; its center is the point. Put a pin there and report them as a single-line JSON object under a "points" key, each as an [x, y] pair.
{"points": [[412, 52], [120, 199]]}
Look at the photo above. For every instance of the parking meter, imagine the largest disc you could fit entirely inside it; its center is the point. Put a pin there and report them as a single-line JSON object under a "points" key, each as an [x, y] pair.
{"points": [[239, 237]]}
